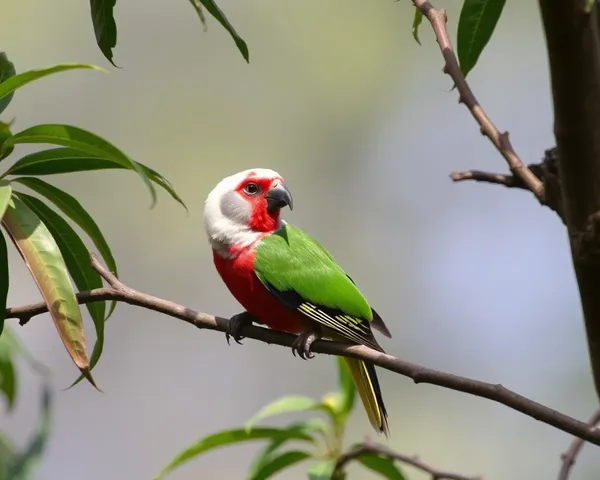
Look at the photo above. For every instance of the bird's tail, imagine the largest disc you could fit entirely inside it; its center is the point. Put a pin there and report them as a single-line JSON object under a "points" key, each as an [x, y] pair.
{"points": [[365, 379]]}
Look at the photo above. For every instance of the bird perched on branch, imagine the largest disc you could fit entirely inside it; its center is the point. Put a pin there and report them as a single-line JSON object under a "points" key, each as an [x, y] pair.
{"points": [[286, 280]]}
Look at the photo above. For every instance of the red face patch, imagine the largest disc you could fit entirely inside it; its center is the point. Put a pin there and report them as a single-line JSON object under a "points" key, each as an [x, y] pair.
{"points": [[254, 190]]}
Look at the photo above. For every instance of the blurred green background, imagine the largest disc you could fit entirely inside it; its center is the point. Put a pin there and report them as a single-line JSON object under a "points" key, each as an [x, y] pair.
{"points": [[359, 119]]}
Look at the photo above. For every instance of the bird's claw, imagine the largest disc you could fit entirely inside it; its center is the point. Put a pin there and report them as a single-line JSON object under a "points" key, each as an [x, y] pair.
{"points": [[236, 323], [303, 344]]}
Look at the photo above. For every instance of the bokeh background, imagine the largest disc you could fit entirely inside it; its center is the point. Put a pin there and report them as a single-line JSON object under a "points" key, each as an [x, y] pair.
{"points": [[472, 279]]}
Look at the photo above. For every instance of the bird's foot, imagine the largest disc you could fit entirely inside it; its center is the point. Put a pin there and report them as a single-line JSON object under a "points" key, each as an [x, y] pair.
{"points": [[236, 323], [303, 343]]}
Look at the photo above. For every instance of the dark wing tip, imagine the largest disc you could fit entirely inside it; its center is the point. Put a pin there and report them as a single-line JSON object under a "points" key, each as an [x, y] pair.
{"points": [[379, 325]]}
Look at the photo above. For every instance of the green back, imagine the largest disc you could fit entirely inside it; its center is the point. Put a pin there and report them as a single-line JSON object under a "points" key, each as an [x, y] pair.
{"points": [[290, 260]]}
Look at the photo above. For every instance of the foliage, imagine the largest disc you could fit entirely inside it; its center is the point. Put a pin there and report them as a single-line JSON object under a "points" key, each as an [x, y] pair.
{"points": [[105, 26], [15, 464], [52, 250], [478, 19], [321, 441], [40, 228]]}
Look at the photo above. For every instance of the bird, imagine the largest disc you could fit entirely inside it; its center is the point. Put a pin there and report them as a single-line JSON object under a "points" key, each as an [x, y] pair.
{"points": [[286, 280]]}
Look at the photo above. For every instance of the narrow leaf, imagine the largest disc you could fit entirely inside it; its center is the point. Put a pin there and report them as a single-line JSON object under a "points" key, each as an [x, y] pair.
{"points": [[8, 379], [382, 465], [75, 211], [322, 470], [5, 134], [347, 387], [77, 259], [27, 462], [7, 70], [17, 81], [59, 160], [5, 193], [70, 160], [264, 455], [478, 19], [309, 426], [198, 7], [216, 12], [280, 462], [105, 27], [229, 437], [47, 266], [416, 24], [4, 280], [286, 404], [87, 142]]}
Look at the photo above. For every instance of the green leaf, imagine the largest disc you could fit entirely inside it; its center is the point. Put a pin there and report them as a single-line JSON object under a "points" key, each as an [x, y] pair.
{"points": [[216, 12], [59, 160], [7, 70], [87, 142], [8, 379], [347, 387], [382, 465], [478, 18], [4, 280], [47, 266], [5, 194], [286, 404], [322, 470], [229, 437], [5, 134], [75, 211], [105, 27], [264, 455], [17, 81], [309, 426], [77, 259], [26, 463], [416, 24], [280, 462], [70, 160], [198, 7]]}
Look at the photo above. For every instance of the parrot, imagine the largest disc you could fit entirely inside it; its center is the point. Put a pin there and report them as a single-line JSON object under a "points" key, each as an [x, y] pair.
{"points": [[286, 280]]}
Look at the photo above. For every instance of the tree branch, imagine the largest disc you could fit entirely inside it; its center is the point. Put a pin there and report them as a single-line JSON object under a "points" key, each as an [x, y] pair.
{"points": [[419, 374], [501, 141], [569, 457], [509, 181], [546, 171], [371, 449]]}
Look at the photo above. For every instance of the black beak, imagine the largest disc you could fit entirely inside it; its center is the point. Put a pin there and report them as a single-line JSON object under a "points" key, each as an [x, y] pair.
{"points": [[278, 197]]}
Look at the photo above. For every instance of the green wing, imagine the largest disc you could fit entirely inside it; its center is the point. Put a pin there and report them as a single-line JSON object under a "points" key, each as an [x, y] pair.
{"points": [[302, 275]]}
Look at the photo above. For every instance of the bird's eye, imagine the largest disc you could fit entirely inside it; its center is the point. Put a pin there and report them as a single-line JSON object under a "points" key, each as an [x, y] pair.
{"points": [[251, 188]]}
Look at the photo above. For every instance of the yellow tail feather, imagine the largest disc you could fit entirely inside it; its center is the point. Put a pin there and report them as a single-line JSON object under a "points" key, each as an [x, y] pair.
{"points": [[367, 385]]}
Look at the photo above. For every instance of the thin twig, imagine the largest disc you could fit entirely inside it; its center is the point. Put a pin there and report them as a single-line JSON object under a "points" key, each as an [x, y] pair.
{"points": [[509, 181], [371, 449], [501, 141], [568, 458], [419, 374]]}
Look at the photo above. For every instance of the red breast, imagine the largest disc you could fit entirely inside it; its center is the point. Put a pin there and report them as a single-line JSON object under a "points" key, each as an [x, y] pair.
{"points": [[238, 274]]}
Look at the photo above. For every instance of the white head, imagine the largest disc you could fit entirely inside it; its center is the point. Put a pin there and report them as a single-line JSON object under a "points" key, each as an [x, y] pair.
{"points": [[243, 208]]}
